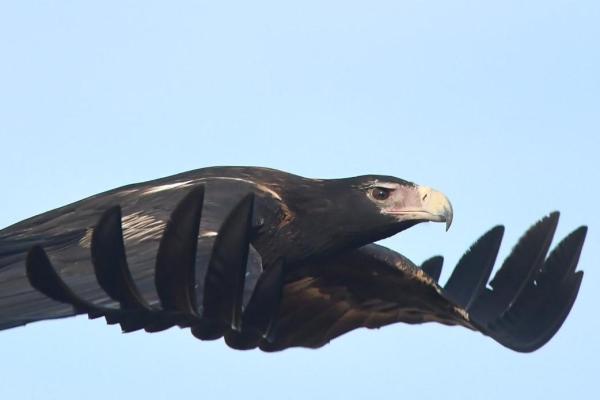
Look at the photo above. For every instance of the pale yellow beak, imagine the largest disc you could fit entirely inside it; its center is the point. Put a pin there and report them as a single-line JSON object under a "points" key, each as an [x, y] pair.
{"points": [[423, 203]]}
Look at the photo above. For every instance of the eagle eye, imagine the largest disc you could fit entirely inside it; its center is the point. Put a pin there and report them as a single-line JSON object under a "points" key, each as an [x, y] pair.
{"points": [[380, 193]]}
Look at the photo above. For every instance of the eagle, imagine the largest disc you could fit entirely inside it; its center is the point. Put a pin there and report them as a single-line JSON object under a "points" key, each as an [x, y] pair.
{"points": [[270, 260]]}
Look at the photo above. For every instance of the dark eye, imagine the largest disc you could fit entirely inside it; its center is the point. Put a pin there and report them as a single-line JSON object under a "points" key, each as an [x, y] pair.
{"points": [[380, 193]]}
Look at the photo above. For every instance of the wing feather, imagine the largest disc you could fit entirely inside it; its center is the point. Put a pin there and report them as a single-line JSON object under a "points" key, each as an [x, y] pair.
{"points": [[370, 287], [433, 267], [474, 268]]}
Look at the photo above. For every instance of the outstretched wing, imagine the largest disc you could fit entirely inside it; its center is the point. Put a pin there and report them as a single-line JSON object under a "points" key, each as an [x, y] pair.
{"points": [[193, 277], [522, 308]]}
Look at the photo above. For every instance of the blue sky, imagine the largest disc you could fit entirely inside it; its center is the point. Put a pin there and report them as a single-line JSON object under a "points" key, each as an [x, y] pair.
{"points": [[497, 104]]}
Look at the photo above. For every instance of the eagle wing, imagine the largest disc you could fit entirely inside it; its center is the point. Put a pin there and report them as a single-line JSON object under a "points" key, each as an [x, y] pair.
{"points": [[112, 259], [522, 307]]}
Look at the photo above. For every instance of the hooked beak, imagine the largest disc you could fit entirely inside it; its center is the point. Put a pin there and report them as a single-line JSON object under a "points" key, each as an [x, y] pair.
{"points": [[422, 203]]}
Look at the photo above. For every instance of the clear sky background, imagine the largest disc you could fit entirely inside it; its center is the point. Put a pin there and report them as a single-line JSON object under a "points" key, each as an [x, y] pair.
{"points": [[495, 103]]}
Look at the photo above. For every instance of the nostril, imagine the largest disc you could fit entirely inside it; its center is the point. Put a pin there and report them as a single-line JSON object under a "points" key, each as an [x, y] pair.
{"points": [[425, 196]]}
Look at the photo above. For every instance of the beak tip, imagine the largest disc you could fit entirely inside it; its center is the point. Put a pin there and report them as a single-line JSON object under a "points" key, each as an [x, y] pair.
{"points": [[449, 215]]}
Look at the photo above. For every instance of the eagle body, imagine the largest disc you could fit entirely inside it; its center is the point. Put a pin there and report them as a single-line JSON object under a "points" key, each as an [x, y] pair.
{"points": [[274, 260]]}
